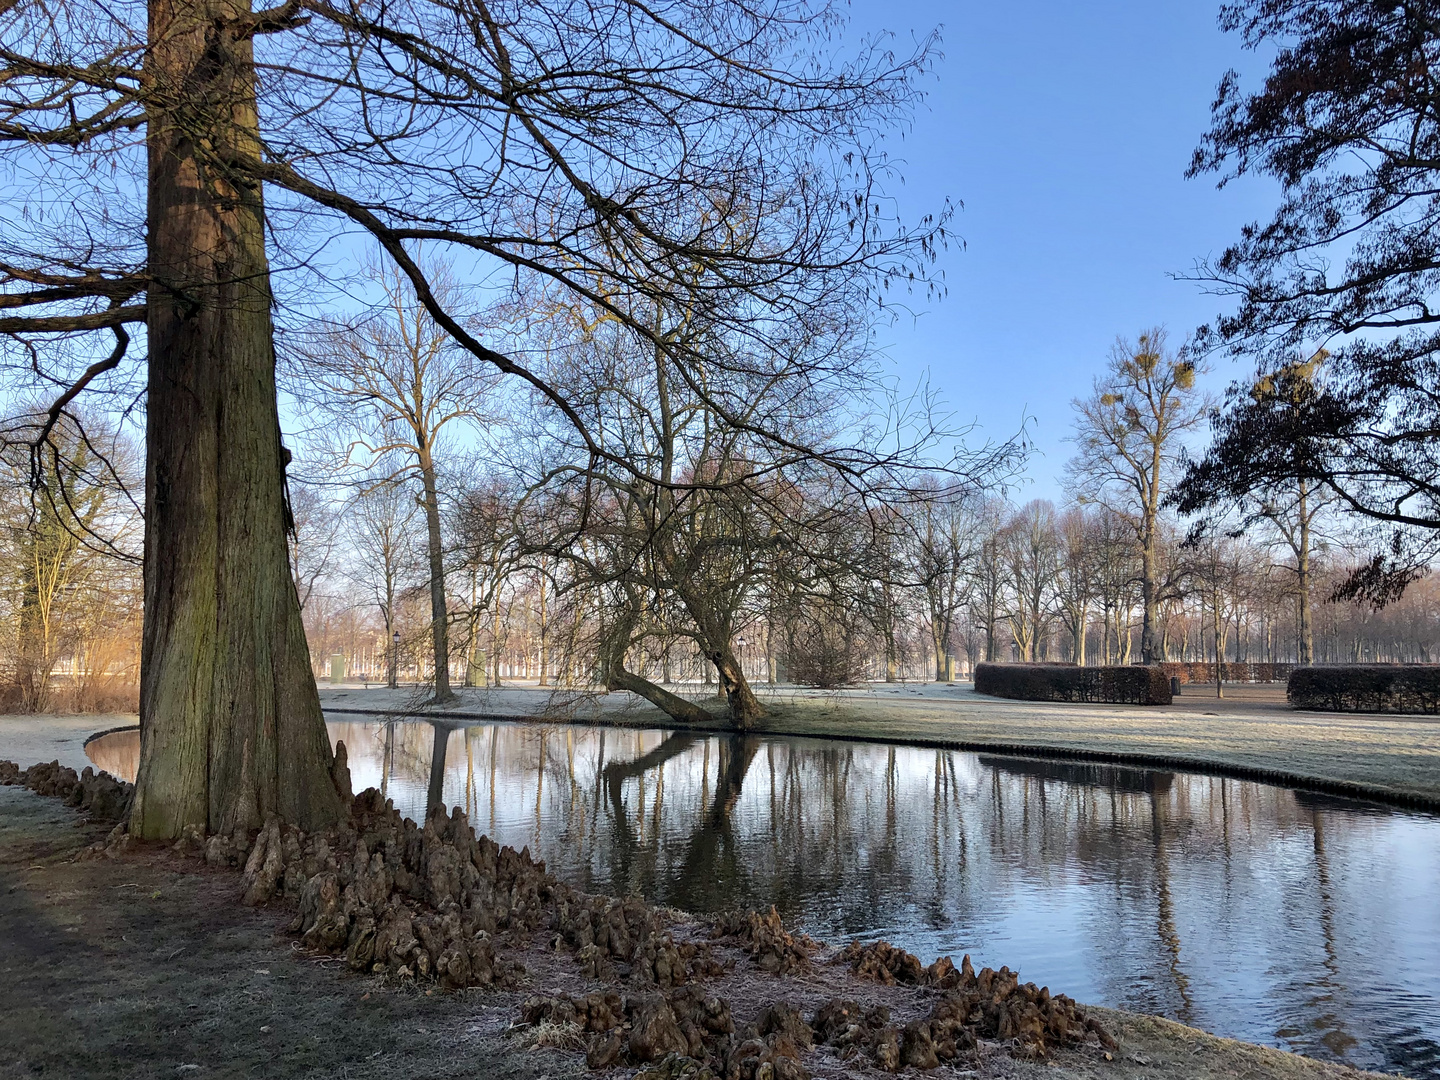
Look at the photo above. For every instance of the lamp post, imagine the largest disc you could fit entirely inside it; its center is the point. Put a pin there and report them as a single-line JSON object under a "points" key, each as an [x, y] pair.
{"points": [[741, 643], [395, 660]]}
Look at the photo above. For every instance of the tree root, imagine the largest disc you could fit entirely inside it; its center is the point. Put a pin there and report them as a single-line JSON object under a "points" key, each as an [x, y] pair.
{"points": [[98, 795], [438, 903]]}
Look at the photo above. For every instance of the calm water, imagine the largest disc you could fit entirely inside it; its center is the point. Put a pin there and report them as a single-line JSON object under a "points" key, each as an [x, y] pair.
{"points": [[1248, 910]]}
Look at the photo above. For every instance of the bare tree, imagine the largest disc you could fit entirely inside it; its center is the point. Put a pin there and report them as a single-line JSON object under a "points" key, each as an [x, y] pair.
{"points": [[382, 539], [945, 546], [57, 580], [1292, 502], [988, 579], [1029, 548], [1076, 574], [1212, 566], [313, 536], [1120, 569], [1127, 437], [485, 539], [395, 385], [658, 548]]}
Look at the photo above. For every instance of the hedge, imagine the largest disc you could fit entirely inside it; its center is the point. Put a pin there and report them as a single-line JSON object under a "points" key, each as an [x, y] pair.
{"points": [[1248, 672], [1130, 685], [1383, 688]]}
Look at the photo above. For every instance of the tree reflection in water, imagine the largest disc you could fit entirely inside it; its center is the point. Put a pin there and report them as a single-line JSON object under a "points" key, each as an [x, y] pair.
{"points": [[1252, 911]]}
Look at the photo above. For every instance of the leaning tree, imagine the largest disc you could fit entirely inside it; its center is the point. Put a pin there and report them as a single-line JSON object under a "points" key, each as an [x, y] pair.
{"points": [[183, 173], [719, 505], [683, 539]]}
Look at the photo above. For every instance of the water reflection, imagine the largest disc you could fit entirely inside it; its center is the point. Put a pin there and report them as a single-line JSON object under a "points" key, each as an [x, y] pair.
{"points": [[1249, 910]]}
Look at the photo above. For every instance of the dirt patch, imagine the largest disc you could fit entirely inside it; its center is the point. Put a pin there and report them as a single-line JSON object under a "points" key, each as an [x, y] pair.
{"points": [[147, 966]]}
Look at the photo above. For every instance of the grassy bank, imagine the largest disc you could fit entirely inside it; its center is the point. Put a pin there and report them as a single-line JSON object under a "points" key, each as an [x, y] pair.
{"points": [[1250, 733], [1395, 759]]}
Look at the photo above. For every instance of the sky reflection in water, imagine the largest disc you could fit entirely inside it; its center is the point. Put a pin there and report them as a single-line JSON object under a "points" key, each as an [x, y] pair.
{"points": [[1248, 910]]}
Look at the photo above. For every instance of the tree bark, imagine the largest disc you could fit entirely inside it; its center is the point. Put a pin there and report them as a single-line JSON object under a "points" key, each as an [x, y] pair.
{"points": [[1302, 584], [1149, 591], [673, 705], [745, 708], [544, 642], [230, 722], [617, 677], [439, 616]]}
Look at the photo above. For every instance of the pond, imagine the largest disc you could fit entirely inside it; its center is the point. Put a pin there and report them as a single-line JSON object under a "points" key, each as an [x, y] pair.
{"points": [[1252, 911]]}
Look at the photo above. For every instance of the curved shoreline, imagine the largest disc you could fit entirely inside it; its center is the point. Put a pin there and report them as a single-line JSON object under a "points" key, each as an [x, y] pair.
{"points": [[1347, 789], [109, 731]]}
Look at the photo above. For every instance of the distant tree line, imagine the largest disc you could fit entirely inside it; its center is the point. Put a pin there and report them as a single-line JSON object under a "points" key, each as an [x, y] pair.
{"points": [[796, 578], [720, 561]]}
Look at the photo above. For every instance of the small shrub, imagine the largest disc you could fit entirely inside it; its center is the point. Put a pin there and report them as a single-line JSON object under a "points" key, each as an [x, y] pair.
{"points": [[1382, 688], [1130, 685], [562, 1036]]}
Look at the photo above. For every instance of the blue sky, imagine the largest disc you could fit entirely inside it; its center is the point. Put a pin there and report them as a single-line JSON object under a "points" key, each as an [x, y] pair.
{"points": [[1065, 129]]}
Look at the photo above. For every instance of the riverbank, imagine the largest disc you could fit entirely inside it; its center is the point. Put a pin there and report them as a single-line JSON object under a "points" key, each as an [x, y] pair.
{"points": [[147, 965], [1251, 733]]}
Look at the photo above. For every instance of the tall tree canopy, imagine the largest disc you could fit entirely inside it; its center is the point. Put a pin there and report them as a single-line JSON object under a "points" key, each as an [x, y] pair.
{"points": [[1348, 121], [1127, 435], [164, 156]]}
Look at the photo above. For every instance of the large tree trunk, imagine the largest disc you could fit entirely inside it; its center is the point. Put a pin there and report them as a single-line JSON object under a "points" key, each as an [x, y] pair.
{"points": [[439, 615], [673, 705], [714, 634], [618, 677], [1302, 582], [230, 722], [1150, 597], [745, 708]]}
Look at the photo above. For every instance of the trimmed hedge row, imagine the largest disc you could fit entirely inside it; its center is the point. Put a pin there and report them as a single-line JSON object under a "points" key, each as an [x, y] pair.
{"points": [[1129, 685], [1230, 672], [1383, 688]]}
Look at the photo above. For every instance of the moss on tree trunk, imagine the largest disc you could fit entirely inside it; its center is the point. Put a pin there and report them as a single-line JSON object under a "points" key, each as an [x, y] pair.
{"points": [[230, 721]]}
